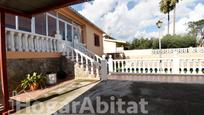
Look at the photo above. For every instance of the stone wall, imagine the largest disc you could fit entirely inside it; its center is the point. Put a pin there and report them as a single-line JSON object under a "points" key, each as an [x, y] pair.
{"points": [[18, 68]]}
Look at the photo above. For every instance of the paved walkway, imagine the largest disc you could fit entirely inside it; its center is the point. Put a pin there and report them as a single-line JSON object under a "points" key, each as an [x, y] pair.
{"points": [[55, 103]]}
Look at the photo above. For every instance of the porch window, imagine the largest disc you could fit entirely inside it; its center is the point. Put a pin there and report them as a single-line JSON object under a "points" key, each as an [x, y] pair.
{"points": [[69, 32], [10, 21], [96, 40], [40, 24], [52, 27], [76, 33], [24, 24], [62, 29]]}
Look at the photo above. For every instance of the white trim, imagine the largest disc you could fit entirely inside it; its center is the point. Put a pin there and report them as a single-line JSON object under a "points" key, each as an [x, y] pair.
{"points": [[65, 25], [116, 41], [16, 19], [57, 24], [33, 25], [58, 18], [46, 23]]}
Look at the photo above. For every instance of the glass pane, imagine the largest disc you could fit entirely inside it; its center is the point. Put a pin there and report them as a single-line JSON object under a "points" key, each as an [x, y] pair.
{"points": [[10, 21], [24, 24], [76, 34], [62, 29], [69, 32], [40, 24], [51, 26]]}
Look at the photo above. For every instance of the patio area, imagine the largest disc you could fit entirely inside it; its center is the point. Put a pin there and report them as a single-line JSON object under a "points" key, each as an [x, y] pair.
{"points": [[60, 95], [162, 98]]}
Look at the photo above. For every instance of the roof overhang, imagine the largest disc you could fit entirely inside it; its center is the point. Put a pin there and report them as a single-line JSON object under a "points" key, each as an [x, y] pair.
{"points": [[116, 41], [28, 8]]}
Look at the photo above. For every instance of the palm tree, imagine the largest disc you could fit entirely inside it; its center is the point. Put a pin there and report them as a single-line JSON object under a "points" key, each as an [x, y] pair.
{"points": [[165, 7], [173, 3]]}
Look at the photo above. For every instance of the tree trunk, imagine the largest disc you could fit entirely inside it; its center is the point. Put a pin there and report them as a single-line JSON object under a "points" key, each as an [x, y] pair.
{"points": [[174, 21], [168, 22]]}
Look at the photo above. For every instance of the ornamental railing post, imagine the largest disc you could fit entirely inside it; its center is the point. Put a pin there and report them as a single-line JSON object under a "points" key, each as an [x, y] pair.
{"points": [[110, 63], [103, 70]]}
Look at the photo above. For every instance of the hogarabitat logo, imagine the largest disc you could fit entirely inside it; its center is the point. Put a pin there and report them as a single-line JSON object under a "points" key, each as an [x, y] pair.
{"points": [[112, 106]]}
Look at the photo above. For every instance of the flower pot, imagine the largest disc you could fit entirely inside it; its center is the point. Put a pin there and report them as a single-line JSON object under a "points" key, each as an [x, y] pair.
{"points": [[33, 87], [51, 79]]}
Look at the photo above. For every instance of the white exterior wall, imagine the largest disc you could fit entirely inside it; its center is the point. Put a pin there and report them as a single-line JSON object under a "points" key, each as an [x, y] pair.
{"points": [[109, 46], [132, 54]]}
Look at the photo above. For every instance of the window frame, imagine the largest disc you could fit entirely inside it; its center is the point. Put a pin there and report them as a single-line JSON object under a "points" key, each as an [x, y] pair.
{"points": [[96, 40]]}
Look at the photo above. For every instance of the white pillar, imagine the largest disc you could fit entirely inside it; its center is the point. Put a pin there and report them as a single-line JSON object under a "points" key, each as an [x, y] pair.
{"points": [[33, 25], [103, 71], [110, 63], [16, 19]]}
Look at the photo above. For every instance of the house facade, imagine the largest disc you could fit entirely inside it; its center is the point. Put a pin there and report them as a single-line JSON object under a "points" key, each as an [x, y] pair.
{"points": [[51, 42], [67, 22]]}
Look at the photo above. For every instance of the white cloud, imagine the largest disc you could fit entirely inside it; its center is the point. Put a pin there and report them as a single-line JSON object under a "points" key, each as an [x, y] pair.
{"points": [[115, 18]]}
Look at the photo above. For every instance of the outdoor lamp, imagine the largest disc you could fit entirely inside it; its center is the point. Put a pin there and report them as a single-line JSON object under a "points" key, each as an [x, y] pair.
{"points": [[159, 24]]}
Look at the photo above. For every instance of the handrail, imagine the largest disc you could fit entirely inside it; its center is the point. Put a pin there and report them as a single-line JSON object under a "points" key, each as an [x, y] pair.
{"points": [[89, 53]]}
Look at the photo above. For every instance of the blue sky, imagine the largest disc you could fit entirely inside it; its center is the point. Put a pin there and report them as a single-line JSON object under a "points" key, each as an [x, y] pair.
{"points": [[128, 19]]}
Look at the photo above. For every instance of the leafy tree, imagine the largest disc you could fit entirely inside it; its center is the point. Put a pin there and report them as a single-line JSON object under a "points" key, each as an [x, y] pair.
{"points": [[197, 28], [168, 41], [165, 7]]}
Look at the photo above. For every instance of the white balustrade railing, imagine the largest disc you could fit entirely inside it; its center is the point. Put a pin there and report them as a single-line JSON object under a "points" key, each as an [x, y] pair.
{"points": [[81, 47], [163, 66], [84, 61], [28, 42], [20, 41], [179, 50]]}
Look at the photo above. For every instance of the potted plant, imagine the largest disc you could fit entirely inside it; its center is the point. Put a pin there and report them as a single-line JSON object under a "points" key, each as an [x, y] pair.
{"points": [[33, 81]]}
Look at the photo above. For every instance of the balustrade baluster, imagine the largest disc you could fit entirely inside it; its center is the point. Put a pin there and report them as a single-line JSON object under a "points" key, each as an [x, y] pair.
{"points": [[47, 42], [77, 57], [87, 67], [82, 61], [51, 45], [37, 44], [115, 68], [122, 66], [18, 41], [25, 42], [92, 67], [11, 41]]}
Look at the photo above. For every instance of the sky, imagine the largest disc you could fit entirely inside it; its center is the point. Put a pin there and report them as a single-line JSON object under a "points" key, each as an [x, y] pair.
{"points": [[129, 19]]}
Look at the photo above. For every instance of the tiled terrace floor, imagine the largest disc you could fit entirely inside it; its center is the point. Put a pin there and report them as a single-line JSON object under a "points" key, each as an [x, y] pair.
{"points": [[178, 98], [162, 98], [58, 96]]}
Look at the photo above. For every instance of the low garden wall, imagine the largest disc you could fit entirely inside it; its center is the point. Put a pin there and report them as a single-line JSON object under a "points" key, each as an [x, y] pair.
{"points": [[18, 68]]}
